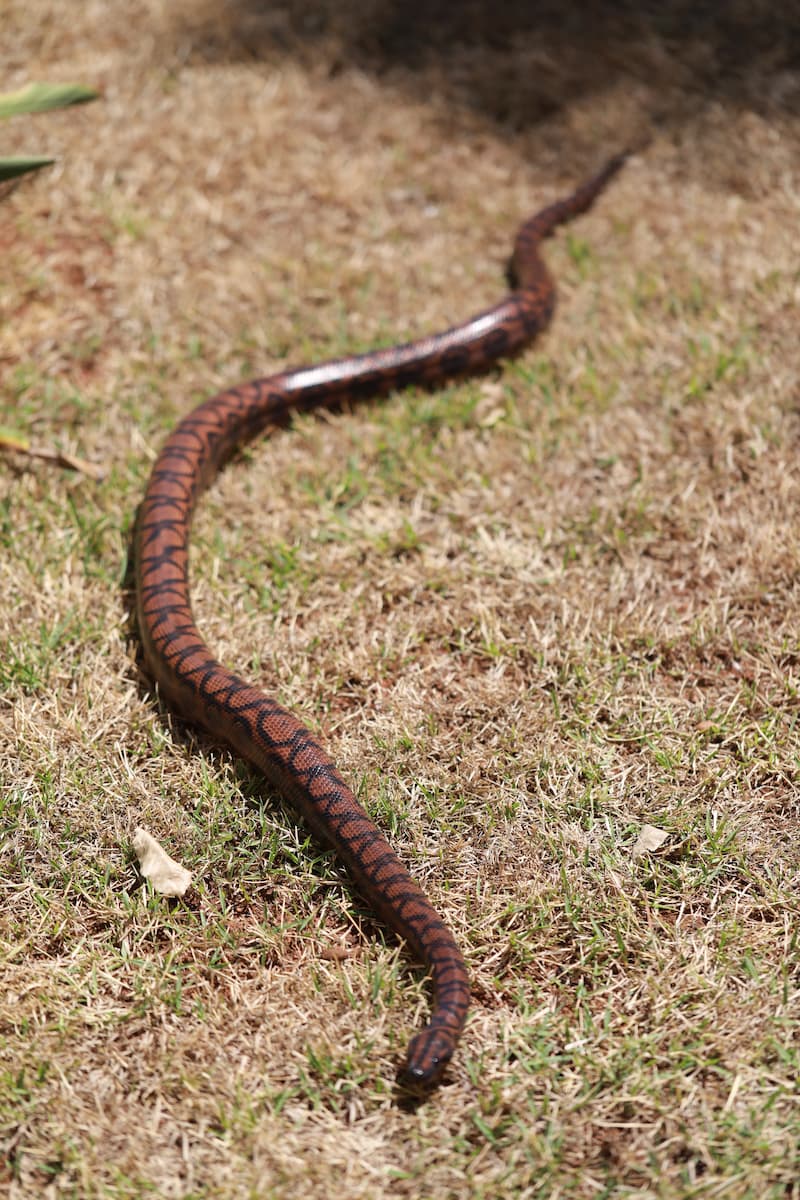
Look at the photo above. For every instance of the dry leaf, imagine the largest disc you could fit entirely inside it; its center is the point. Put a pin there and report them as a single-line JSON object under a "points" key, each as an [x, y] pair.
{"points": [[649, 839], [167, 876], [337, 953]]}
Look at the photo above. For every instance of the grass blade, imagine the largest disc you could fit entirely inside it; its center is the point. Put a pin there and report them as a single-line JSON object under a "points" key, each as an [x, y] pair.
{"points": [[11, 167], [39, 97]]}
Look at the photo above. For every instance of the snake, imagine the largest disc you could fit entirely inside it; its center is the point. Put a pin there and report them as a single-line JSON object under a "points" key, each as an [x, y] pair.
{"points": [[206, 693]]}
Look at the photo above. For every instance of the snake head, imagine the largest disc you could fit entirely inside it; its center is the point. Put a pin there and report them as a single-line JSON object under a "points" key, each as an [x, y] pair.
{"points": [[428, 1054]]}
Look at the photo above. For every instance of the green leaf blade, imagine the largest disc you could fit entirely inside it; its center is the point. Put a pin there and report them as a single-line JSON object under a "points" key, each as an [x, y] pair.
{"points": [[40, 97], [11, 167]]}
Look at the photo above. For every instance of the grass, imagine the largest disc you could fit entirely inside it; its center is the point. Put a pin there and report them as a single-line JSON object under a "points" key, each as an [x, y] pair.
{"points": [[528, 614]]}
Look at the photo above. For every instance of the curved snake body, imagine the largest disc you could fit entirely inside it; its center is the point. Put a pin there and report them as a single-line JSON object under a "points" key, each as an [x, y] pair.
{"points": [[256, 727]]}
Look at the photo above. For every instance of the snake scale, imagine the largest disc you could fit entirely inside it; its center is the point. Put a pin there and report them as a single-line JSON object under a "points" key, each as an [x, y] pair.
{"points": [[205, 692]]}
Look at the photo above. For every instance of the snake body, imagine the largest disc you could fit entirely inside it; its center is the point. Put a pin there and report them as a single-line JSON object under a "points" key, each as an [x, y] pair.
{"points": [[234, 712]]}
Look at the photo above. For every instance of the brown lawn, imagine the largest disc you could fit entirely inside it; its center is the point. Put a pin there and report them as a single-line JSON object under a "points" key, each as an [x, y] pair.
{"points": [[528, 614]]}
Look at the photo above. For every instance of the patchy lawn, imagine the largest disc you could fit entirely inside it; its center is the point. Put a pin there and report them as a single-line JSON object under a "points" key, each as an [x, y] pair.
{"points": [[528, 614]]}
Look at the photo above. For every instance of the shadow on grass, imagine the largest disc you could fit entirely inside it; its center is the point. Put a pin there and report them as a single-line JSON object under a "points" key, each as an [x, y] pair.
{"points": [[517, 63]]}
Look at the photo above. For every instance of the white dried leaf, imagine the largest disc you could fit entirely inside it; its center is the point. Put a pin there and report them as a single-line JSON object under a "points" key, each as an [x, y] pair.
{"points": [[649, 839], [167, 876]]}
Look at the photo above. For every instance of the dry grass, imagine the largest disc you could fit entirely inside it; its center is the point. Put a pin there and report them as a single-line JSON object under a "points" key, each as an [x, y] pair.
{"points": [[528, 614]]}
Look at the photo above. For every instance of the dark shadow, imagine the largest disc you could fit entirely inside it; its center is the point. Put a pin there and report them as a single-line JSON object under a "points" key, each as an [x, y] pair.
{"points": [[410, 1099], [516, 63]]}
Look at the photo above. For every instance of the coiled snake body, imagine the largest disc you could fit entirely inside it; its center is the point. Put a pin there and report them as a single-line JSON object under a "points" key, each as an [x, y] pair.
{"points": [[256, 727]]}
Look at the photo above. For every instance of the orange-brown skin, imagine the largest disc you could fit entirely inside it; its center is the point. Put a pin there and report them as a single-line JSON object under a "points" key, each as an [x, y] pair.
{"points": [[257, 728]]}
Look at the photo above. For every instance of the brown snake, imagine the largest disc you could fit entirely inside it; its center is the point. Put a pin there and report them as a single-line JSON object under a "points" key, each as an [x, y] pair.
{"points": [[257, 728]]}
